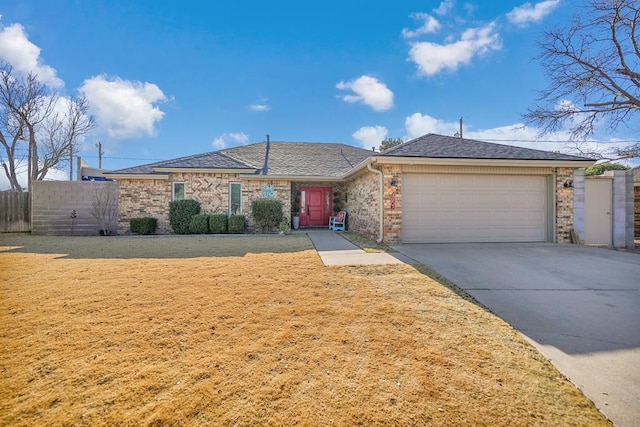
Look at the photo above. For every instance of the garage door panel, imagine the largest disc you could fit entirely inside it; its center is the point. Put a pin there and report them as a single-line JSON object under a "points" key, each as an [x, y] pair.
{"points": [[474, 208]]}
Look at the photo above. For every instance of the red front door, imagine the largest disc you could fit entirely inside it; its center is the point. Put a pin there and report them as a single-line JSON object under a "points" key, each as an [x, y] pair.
{"points": [[315, 206]]}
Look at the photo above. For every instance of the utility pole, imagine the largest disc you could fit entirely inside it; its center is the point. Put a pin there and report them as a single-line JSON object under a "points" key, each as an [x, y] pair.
{"points": [[100, 153]]}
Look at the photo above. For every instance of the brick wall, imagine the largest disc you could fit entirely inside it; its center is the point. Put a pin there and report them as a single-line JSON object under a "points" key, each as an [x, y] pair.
{"points": [[141, 198], [564, 205], [253, 190], [362, 201], [392, 178], [53, 201], [151, 197]]}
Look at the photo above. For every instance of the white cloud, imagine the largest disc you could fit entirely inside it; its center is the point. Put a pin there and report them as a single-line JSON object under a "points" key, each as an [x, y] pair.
{"points": [[124, 108], [417, 125], [528, 13], [470, 8], [370, 136], [368, 90], [260, 106], [24, 56], [432, 58], [230, 139], [444, 8], [431, 25]]}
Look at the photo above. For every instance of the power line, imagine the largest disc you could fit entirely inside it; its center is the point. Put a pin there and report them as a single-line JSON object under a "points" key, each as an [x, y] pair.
{"points": [[559, 142], [119, 158]]}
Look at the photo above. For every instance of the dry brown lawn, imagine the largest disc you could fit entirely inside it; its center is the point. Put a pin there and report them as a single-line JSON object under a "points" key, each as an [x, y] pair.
{"points": [[254, 331]]}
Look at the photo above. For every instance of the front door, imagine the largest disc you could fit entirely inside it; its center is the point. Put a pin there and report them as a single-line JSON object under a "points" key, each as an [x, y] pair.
{"points": [[315, 206], [597, 211]]}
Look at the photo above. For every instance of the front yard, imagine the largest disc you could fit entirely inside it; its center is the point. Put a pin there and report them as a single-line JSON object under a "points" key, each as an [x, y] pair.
{"points": [[202, 330]]}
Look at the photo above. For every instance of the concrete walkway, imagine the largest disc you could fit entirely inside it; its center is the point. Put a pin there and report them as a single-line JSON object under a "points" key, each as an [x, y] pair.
{"points": [[336, 250]]}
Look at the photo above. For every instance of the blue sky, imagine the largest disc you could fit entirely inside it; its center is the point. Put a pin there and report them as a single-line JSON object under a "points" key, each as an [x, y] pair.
{"points": [[167, 79]]}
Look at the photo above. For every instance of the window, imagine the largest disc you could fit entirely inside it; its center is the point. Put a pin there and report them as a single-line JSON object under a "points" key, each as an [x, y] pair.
{"points": [[178, 191], [235, 198]]}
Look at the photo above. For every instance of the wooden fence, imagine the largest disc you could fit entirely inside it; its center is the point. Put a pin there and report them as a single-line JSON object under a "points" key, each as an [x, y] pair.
{"points": [[14, 212]]}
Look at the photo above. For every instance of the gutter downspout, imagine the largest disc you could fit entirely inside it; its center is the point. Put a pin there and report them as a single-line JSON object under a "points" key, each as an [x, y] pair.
{"points": [[381, 207]]}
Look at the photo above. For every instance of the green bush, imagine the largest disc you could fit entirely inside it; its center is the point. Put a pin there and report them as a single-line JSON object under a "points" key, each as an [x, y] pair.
{"points": [[601, 168], [267, 214], [218, 223], [180, 213], [144, 225], [236, 224], [199, 224]]}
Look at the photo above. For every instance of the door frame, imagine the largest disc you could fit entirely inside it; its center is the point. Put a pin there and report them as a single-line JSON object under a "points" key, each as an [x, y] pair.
{"points": [[327, 205]]}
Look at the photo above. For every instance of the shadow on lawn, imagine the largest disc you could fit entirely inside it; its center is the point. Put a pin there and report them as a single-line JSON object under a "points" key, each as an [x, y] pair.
{"points": [[125, 247]]}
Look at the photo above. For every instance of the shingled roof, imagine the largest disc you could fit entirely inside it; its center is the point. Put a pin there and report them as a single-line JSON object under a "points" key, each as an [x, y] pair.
{"points": [[440, 146], [282, 158], [334, 160], [300, 158]]}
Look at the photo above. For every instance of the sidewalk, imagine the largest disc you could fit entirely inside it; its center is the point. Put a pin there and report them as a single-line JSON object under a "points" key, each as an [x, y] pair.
{"points": [[336, 250]]}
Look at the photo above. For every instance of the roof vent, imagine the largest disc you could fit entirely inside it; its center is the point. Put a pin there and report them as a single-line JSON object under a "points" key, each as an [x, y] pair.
{"points": [[459, 134]]}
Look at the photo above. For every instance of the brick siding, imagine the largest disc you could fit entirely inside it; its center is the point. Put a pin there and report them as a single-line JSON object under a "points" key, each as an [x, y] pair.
{"points": [[151, 197], [564, 205], [360, 197], [362, 201], [392, 179]]}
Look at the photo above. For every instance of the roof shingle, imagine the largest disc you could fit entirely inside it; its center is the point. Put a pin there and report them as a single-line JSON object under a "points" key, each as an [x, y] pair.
{"points": [[440, 146], [318, 159], [300, 158], [211, 160]]}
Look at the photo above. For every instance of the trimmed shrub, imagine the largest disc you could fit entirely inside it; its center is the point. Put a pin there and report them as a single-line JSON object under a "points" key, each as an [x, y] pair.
{"points": [[199, 224], [144, 225], [218, 223], [236, 224], [180, 213], [267, 214]]}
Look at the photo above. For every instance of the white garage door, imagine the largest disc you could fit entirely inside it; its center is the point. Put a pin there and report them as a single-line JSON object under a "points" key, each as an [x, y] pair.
{"points": [[474, 208]]}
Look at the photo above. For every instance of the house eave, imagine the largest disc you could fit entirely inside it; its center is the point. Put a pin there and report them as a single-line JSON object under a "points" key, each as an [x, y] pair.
{"points": [[305, 178], [204, 170], [149, 176], [482, 162]]}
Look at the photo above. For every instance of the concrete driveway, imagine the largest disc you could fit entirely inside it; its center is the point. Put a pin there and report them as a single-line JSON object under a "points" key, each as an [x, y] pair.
{"points": [[580, 306]]}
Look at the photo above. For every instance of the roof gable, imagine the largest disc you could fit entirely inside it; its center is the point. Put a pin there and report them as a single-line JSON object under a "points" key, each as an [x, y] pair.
{"points": [[211, 160], [312, 159], [440, 146]]}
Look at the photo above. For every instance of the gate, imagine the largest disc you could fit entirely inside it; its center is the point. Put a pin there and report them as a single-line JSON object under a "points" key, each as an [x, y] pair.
{"points": [[15, 214]]}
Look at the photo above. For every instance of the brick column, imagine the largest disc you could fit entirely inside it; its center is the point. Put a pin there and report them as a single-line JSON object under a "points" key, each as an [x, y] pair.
{"points": [[392, 194], [564, 204]]}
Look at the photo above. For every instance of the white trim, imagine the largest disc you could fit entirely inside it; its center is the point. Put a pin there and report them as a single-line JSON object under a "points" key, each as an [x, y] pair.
{"points": [[203, 170], [483, 162], [303, 178], [147, 176]]}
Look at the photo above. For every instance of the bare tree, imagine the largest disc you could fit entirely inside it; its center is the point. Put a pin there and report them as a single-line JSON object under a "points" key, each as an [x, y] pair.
{"points": [[36, 117], [105, 207], [593, 66]]}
